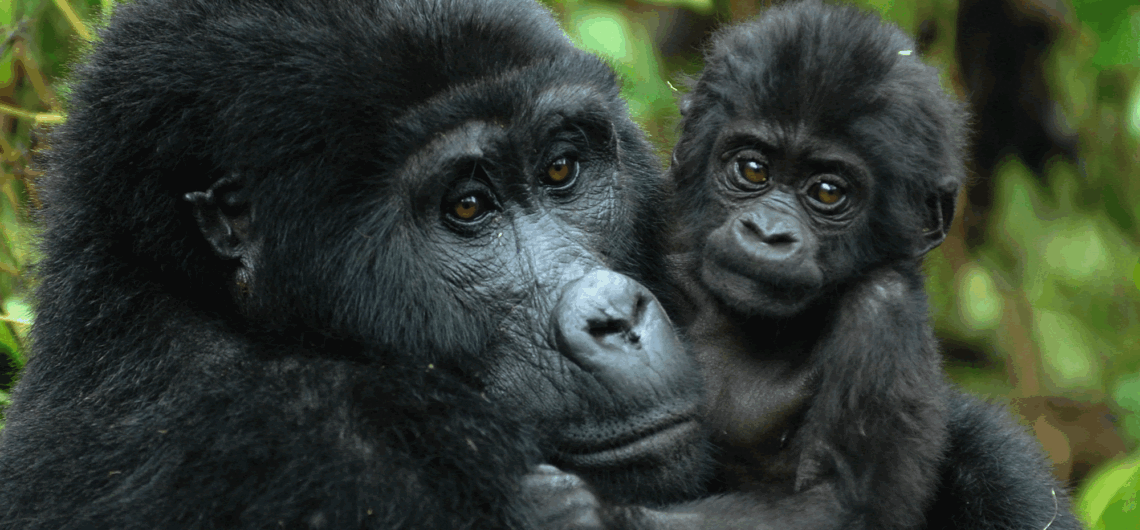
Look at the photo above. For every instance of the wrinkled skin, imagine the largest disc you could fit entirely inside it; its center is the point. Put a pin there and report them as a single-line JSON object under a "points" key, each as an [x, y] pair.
{"points": [[348, 264]]}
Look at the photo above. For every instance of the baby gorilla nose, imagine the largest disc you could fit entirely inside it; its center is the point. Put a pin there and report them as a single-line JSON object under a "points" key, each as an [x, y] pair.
{"points": [[773, 236], [613, 327]]}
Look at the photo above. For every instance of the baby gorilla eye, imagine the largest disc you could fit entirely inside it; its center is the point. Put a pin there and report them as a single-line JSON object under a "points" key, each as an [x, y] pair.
{"points": [[468, 208], [561, 171], [827, 193], [752, 171]]}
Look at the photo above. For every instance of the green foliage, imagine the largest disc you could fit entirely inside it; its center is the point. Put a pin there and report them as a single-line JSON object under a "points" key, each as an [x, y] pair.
{"points": [[1109, 500], [608, 32], [1117, 26], [39, 38]]}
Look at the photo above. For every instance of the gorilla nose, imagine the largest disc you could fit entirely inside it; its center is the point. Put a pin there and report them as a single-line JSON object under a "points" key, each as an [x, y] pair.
{"points": [[614, 328], [769, 239], [773, 233]]}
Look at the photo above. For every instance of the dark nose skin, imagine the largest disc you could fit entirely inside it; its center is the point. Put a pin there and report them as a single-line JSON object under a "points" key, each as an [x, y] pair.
{"points": [[770, 237], [615, 329]]}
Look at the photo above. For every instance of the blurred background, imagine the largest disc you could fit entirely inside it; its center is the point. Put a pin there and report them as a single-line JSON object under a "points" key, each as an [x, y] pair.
{"points": [[1036, 293]]}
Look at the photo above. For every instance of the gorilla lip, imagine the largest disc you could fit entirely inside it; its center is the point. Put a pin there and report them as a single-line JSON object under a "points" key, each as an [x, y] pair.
{"points": [[643, 444]]}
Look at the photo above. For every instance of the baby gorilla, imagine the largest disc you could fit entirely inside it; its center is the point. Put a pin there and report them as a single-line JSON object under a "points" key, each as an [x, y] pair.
{"points": [[819, 160]]}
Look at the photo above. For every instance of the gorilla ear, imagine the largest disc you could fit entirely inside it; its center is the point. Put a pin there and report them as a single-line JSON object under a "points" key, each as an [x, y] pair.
{"points": [[685, 104], [223, 212], [936, 224]]}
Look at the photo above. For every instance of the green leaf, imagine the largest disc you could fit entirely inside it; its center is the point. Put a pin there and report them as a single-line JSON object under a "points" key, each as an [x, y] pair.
{"points": [[1132, 116], [699, 6], [7, 67], [1108, 501], [1078, 251], [628, 47], [1065, 344], [1117, 24], [7, 15], [980, 303], [905, 14], [1127, 393], [9, 347]]}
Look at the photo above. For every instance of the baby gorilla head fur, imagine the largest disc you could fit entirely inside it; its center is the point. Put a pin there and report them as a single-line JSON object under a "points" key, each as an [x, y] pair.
{"points": [[344, 264], [813, 149]]}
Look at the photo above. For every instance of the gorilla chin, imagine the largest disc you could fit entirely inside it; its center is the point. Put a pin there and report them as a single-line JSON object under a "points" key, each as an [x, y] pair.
{"points": [[754, 295], [660, 445]]}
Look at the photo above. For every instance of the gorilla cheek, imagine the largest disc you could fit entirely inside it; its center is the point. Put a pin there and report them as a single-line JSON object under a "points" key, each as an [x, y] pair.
{"points": [[762, 263]]}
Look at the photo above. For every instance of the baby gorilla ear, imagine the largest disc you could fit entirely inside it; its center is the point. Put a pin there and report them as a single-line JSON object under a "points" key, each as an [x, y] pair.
{"points": [[222, 212], [939, 214], [685, 104]]}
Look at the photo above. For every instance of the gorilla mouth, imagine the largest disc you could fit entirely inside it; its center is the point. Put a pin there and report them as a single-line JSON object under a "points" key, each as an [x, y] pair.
{"points": [[754, 294], [655, 442]]}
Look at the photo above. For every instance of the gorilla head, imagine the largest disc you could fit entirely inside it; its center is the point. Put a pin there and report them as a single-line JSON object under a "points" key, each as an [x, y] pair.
{"points": [[348, 225], [816, 146]]}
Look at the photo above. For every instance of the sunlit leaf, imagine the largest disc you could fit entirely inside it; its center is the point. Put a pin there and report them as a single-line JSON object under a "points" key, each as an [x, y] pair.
{"points": [[1127, 393], [1078, 251], [980, 302], [19, 314], [1065, 347], [10, 346], [1133, 111], [1108, 500], [699, 6], [7, 16], [604, 33], [608, 32], [1116, 24], [905, 14], [1016, 221], [7, 67]]}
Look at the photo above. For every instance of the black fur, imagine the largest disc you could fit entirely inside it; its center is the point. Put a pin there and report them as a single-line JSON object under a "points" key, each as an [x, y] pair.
{"points": [[808, 311], [994, 476], [263, 306]]}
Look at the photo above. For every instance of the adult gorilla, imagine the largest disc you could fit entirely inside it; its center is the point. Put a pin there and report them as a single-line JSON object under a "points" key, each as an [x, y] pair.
{"points": [[345, 264]]}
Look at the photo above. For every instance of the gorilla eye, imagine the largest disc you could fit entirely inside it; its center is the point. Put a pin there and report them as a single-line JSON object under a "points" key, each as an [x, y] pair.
{"points": [[827, 193], [468, 208], [752, 171], [561, 171]]}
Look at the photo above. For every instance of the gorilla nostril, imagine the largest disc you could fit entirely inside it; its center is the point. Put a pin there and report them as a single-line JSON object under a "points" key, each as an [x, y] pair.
{"points": [[752, 227], [780, 239], [771, 235], [600, 328], [623, 326]]}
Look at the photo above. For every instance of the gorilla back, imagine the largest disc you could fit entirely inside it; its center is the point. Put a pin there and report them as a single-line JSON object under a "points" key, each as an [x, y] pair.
{"points": [[343, 264]]}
